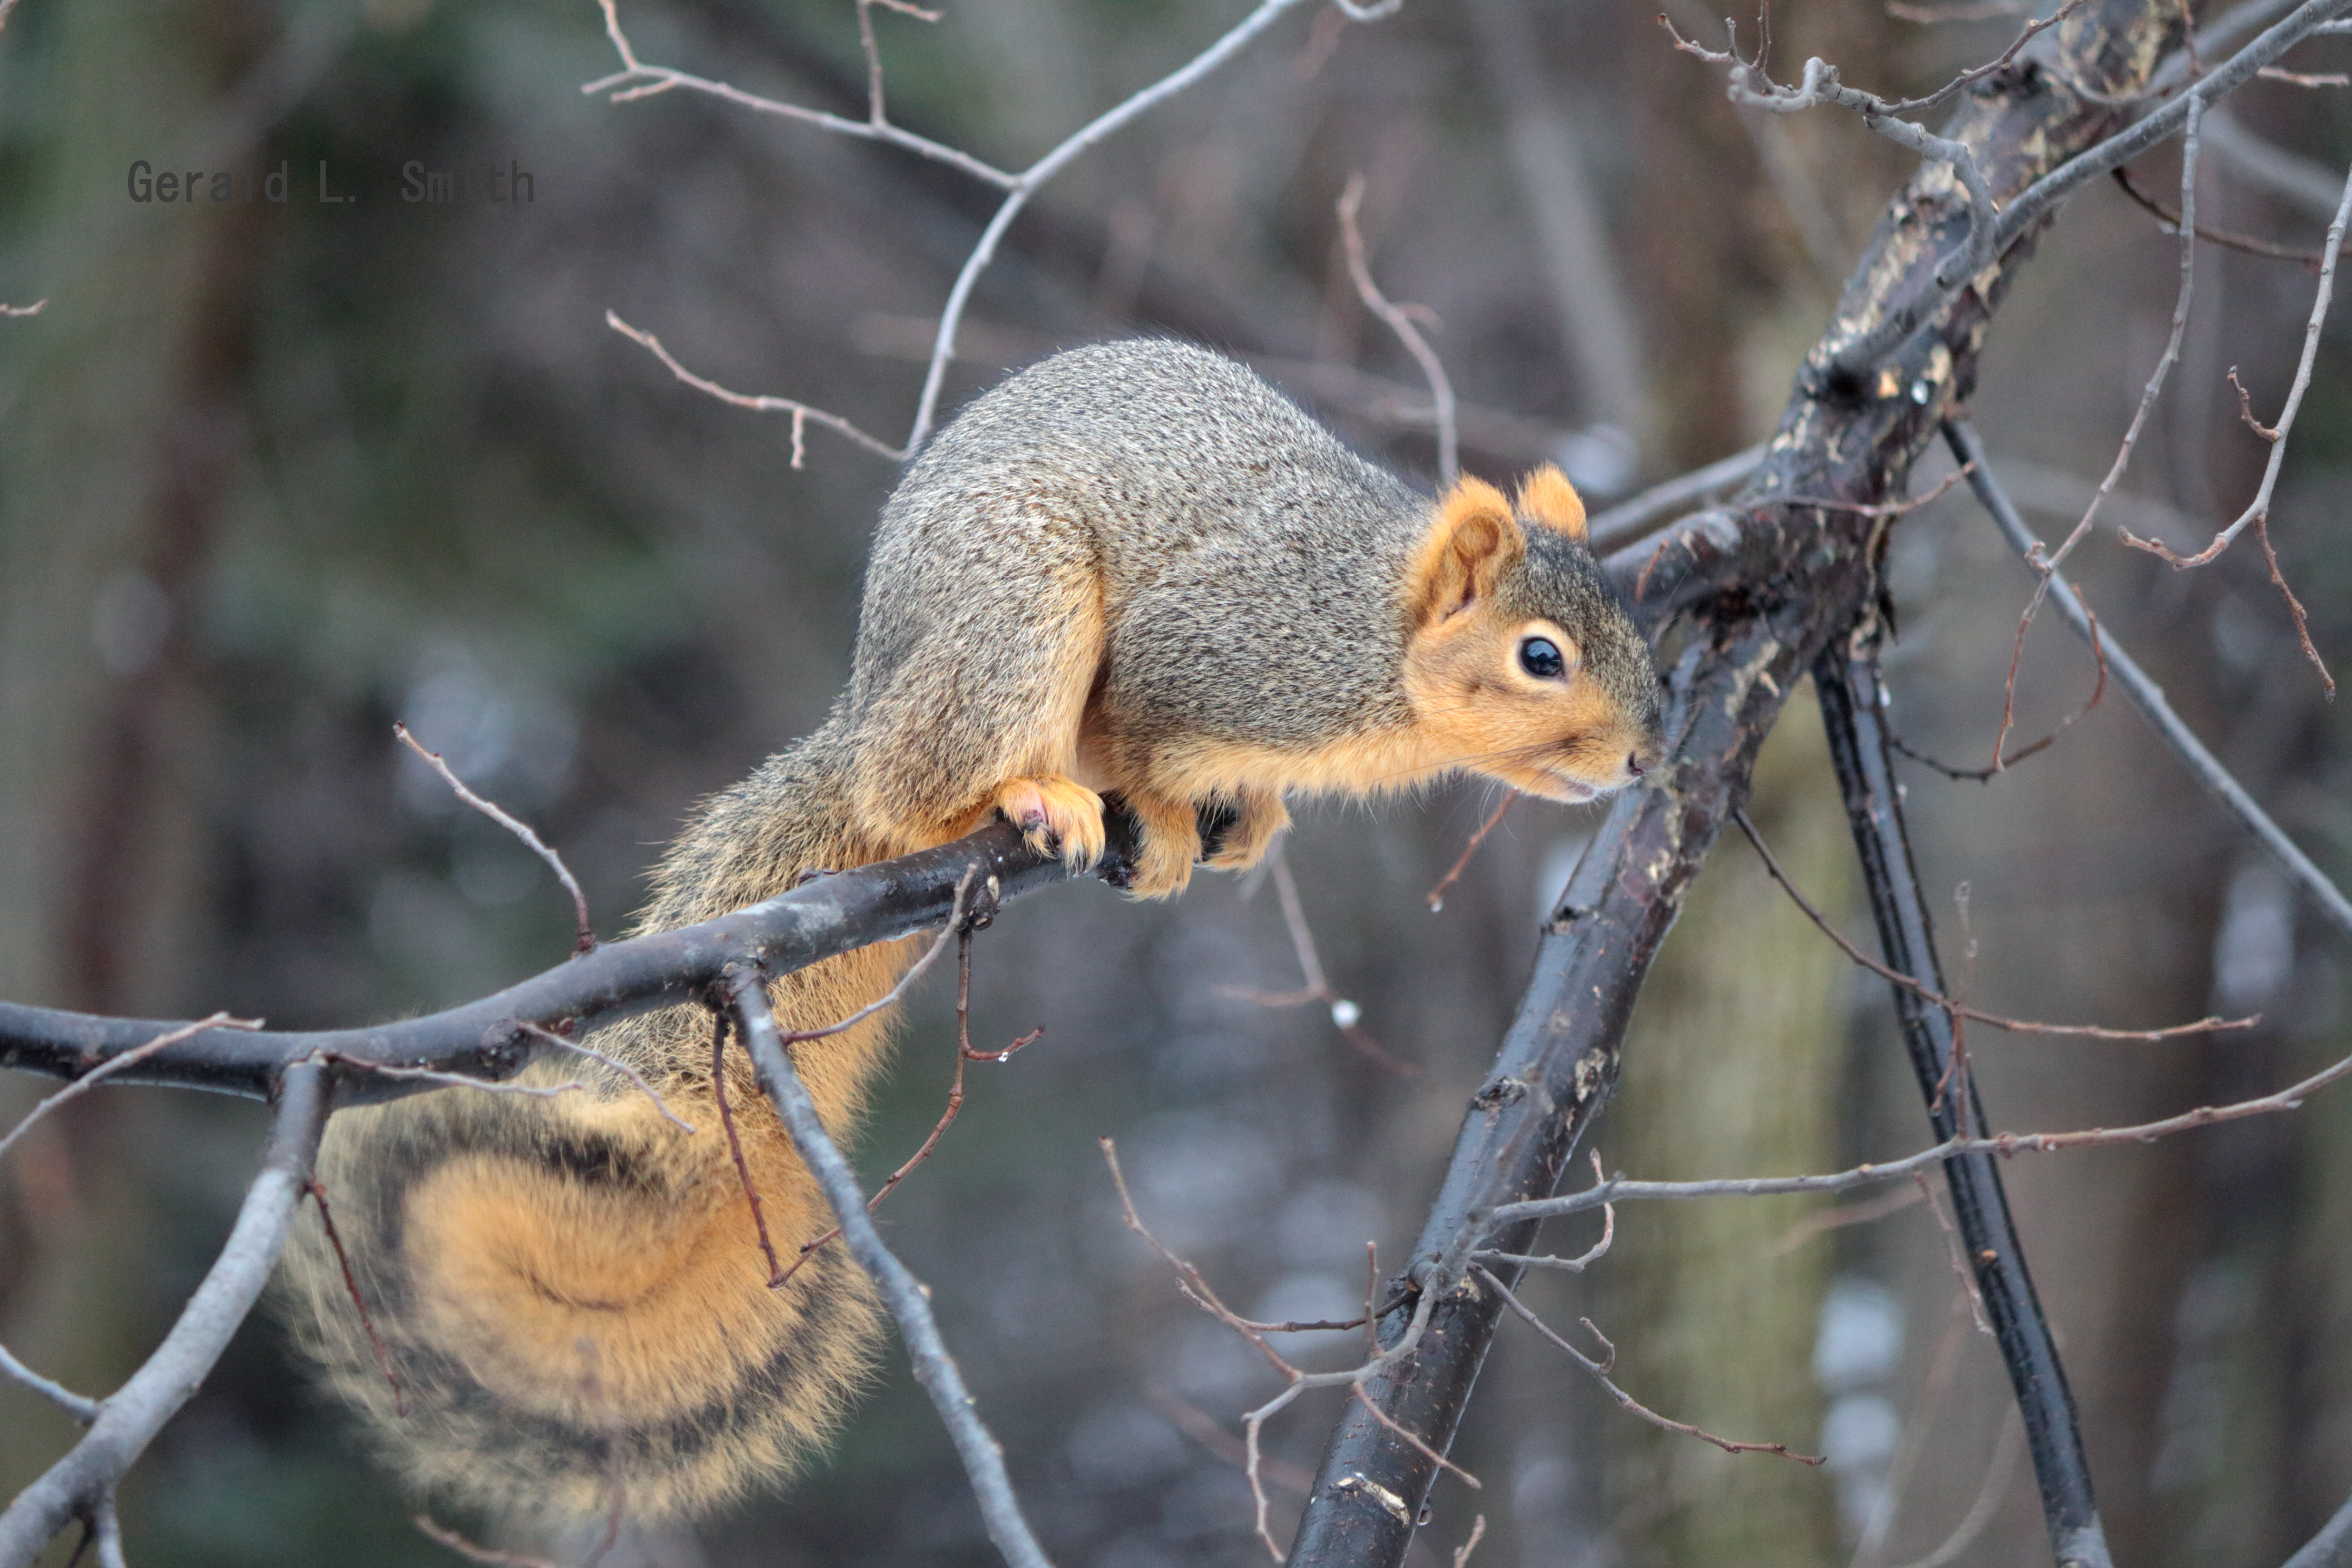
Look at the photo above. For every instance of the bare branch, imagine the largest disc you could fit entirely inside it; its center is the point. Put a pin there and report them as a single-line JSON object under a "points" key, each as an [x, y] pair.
{"points": [[637, 79], [1956, 1251], [1477, 1535], [1599, 1371], [618, 1066], [585, 938], [910, 1302], [1346, 1014], [2149, 697], [2030, 205], [442, 1535], [801, 412], [964, 1053], [115, 1064], [2046, 565], [2207, 1026], [1750, 85], [453, 1079], [127, 1420], [2258, 510], [1629, 519], [81, 1407], [1400, 321], [2246, 244], [384, 1362], [1617, 1190], [1436, 895]]}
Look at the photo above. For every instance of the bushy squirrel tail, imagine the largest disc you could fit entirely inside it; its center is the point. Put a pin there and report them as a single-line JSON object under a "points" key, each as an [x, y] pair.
{"points": [[570, 1288]]}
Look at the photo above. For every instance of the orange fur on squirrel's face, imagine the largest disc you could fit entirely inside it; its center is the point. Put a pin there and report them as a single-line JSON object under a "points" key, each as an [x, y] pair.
{"points": [[1496, 682]]}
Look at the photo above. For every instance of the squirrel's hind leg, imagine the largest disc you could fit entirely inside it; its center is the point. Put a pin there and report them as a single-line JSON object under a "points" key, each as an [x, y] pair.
{"points": [[1260, 817]]}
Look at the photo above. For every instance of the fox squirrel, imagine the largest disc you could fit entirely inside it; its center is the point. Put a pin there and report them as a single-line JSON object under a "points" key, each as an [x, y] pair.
{"points": [[1132, 569]]}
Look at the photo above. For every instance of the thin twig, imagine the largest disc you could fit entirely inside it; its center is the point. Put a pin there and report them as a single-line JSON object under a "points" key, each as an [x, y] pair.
{"points": [[2229, 239], [453, 1079], [442, 1535], [1599, 1373], [585, 938], [2045, 565], [964, 1053], [1843, 1215], [1582, 1260], [37, 306], [1494, 819], [801, 413], [2028, 207], [1197, 1289], [81, 1407], [952, 932], [1752, 87], [2207, 1026], [1401, 323], [116, 1064], [777, 1273], [617, 1065], [1956, 1251], [2149, 697], [908, 1301], [1629, 519], [637, 79], [1346, 1014], [1204, 1429], [1477, 1535], [359, 1303], [1617, 1190], [2258, 510], [2293, 605], [1884, 508]]}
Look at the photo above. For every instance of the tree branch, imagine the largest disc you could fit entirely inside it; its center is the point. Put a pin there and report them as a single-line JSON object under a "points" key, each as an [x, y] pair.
{"points": [[1768, 583], [1847, 683], [908, 1297], [2149, 697], [82, 1485]]}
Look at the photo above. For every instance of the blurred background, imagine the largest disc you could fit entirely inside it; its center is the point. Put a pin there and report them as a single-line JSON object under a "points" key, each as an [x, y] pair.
{"points": [[273, 474]]}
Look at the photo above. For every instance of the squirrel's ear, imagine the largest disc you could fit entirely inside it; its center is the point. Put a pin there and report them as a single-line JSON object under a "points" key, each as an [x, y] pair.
{"points": [[1546, 498], [1473, 541]]}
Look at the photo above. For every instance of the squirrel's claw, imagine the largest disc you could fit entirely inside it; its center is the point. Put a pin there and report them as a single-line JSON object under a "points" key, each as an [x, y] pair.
{"points": [[1056, 815]]}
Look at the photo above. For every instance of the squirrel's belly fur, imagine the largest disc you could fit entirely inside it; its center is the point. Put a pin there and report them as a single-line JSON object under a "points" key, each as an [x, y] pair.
{"points": [[570, 1290]]}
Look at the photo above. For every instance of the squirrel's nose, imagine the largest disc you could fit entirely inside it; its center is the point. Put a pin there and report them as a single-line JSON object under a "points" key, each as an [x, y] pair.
{"points": [[1633, 765]]}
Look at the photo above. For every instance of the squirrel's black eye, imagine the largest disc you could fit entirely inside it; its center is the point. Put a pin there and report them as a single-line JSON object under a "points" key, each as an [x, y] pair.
{"points": [[1539, 657]]}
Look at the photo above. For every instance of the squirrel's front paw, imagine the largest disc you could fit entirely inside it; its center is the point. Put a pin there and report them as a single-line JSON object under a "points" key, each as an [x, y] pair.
{"points": [[1057, 814]]}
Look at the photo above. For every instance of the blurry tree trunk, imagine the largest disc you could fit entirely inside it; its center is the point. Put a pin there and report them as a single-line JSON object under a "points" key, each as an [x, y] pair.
{"points": [[109, 478], [1733, 1065]]}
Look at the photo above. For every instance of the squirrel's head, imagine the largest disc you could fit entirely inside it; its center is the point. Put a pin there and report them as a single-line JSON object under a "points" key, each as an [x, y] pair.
{"points": [[1523, 663]]}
